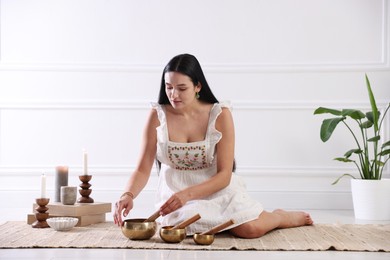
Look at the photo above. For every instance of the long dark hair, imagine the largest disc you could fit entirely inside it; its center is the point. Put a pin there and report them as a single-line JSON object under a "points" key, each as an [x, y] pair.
{"points": [[188, 65]]}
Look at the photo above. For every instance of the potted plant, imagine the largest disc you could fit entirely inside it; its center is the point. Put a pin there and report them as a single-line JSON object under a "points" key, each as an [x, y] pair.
{"points": [[371, 155]]}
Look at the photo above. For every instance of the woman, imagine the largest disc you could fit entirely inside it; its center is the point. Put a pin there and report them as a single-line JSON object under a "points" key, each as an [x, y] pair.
{"points": [[192, 136]]}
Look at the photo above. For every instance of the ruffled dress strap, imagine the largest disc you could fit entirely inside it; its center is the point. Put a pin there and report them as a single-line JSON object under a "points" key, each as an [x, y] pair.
{"points": [[213, 135], [162, 133]]}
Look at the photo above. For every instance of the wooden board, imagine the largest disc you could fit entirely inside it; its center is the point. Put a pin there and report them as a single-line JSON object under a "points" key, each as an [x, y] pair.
{"points": [[83, 220], [76, 210]]}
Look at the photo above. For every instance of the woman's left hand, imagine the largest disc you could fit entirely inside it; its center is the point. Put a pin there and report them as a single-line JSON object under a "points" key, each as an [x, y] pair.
{"points": [[175, 202]]}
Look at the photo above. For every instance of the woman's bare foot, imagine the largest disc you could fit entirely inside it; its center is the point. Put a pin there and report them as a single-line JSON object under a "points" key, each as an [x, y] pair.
{"points": [[293, 218]]}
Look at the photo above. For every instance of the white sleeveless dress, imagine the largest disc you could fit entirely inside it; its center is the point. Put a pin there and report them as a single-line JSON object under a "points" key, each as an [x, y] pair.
{"points": [[187, 164]]}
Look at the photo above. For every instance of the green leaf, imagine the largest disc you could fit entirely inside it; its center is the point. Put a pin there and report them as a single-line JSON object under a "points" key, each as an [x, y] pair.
{"points": [[384, 152], [350, 152], [328, 126], [366, 124], [374, 139], [346, 174], [370, 116], [386, 144], [324, 110], [342, 159], [374, 108], [353, 113], [380, 163]]}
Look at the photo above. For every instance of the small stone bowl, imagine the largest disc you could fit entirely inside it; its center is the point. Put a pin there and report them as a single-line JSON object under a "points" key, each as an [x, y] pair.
{"points": [[62, 223], [170, 235], [137, 229], [203, 239]]}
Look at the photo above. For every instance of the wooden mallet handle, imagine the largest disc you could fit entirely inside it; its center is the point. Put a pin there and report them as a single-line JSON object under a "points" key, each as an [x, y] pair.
{"points": [[153, 217], [187, 222], [218, 228]]}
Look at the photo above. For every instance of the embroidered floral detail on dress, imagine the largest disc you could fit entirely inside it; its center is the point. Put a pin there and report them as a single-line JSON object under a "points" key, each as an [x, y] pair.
{"points": [[188, 157]]}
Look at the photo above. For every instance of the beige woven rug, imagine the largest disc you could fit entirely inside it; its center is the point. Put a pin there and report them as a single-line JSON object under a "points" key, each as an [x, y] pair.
{"points": [[319, 237]]}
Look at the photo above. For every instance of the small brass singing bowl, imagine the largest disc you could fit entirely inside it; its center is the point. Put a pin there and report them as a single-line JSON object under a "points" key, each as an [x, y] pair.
{"points": [[170, 235], [203, 239], [137, 229]]}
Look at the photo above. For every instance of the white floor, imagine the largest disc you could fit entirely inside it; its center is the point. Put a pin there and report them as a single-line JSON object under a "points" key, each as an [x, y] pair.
{"points": [[318, 216]]}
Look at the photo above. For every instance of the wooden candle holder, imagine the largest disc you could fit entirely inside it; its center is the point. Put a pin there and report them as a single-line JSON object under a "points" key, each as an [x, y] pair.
{"points": [[85, 190], [41, 214]]}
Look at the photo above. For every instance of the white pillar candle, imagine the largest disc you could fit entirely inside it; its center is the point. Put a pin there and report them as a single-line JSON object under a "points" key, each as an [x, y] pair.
{"points": [[85, 162], [43, 186]]}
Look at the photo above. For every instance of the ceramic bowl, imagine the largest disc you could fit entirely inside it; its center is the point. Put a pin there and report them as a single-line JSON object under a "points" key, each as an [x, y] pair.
{"points": [[137, 229], [62, 223]]}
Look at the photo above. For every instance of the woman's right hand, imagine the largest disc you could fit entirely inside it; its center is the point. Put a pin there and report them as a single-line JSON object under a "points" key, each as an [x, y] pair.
{"points": [[122, 208]]}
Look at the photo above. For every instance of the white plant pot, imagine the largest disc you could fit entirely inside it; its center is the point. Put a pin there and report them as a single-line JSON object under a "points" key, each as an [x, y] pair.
{"points": [[371, 199]]}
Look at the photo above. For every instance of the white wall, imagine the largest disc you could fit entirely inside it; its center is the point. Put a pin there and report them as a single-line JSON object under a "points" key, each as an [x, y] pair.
{"points": [[80, 74]]}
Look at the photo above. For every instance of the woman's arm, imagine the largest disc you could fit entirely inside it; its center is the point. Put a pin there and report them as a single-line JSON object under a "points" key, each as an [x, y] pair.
{"points": [[141, 174], [225, 158]]}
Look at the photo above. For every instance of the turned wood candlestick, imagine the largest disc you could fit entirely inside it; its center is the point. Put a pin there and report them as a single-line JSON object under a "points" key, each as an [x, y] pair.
{"points": [[41, 215], [85, 190]]}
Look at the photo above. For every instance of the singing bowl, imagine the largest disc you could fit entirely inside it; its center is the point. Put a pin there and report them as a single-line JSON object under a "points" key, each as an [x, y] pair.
{"points": [[203, 239], [170, 235], [137, 229]]}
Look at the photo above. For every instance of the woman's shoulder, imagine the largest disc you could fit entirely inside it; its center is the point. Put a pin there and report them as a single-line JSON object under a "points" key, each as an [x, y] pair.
{"points": [[155, 105], [221, 108], [157, 113], [222, 113], [223, 104]]}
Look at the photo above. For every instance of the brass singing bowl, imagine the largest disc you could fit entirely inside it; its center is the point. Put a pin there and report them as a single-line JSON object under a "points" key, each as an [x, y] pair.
{"points": [[170, 235], [137, 229], [203, 239]]}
